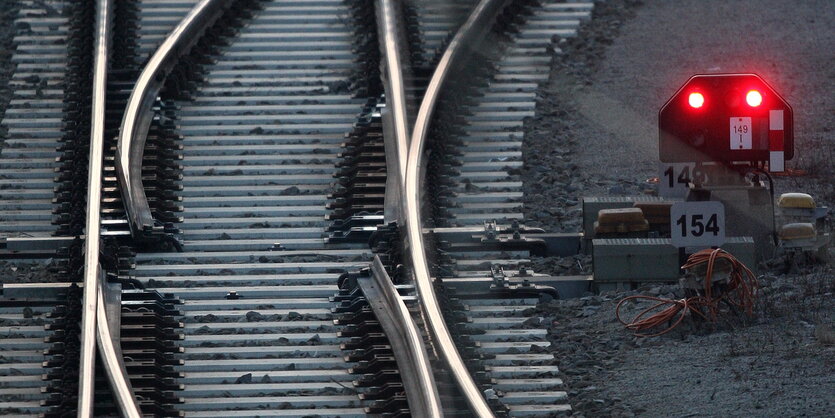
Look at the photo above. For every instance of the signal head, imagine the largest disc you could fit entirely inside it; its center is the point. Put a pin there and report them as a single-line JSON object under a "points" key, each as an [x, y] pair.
{"points": [[728, 119]]}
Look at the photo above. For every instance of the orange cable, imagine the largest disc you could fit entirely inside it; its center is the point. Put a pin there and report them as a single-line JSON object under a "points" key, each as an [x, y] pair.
{"points": [[741, 293]]}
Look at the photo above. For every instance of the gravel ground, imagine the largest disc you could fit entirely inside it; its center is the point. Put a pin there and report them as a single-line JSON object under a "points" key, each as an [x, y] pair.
{"points": [[29, 272], [596, 134], [777, 364]]}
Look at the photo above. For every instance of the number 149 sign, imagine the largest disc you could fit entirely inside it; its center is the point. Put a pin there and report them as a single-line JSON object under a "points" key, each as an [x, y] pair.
{"points": [[697, 224]]}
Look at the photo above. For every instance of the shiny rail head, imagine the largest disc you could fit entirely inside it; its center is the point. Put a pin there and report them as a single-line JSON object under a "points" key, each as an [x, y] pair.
{"points": [[464, 43], [139, 114], [92, 268]]}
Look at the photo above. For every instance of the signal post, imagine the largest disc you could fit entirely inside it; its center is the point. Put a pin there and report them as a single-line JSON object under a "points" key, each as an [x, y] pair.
{"points": [[721, 136], [730, 131]]}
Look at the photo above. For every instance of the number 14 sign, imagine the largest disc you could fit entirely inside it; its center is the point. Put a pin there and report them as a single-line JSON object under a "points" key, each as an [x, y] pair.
{"points": [[697, 224]]}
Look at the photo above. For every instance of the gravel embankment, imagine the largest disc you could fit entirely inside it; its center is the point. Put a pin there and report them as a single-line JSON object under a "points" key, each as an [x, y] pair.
{"points": [[596, 134], [777, 364]]}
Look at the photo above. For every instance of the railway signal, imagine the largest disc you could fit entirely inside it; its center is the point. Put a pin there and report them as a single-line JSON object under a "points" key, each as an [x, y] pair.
{"points": [[732, 119]]}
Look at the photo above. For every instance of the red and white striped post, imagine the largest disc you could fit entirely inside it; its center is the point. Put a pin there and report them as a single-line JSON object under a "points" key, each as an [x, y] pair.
{"points": [[776, 143]]}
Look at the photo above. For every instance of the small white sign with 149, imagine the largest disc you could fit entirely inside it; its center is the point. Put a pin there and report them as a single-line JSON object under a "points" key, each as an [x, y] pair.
{"points": [[697, 224], [741, 133]]}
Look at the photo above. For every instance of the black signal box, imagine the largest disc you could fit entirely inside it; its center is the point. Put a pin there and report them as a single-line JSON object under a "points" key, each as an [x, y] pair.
{"points": [[726, 118]]}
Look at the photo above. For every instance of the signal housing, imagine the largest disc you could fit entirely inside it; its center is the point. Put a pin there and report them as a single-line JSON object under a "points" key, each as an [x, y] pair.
{"points": [[726, 128]]}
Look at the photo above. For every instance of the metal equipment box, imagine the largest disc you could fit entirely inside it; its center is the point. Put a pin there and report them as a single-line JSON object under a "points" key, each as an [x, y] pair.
{"points": [[638, 260], [634, 260]]}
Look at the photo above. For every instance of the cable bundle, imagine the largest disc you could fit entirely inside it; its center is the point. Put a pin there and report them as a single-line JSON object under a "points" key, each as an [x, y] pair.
{"points": [[740, 292]]}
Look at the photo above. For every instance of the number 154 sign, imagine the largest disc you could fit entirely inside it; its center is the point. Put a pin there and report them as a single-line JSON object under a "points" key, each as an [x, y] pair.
{"points": [[697, 224]]}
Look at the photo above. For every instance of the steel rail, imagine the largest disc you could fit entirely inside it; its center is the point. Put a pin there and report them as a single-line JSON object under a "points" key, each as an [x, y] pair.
{"points": [[403, 333], [107, 336], [92, 243], [138, 113], [460, 48], [389, 27], [395, 118], [406, 342]]}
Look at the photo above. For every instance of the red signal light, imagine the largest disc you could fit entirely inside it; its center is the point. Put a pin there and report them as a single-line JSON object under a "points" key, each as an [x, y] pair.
{"points": [[696, 100], [754, 98]]}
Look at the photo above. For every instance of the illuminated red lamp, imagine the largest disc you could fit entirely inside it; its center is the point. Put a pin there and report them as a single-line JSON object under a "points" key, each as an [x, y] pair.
{"points": [[754, 98], [696, 100]]}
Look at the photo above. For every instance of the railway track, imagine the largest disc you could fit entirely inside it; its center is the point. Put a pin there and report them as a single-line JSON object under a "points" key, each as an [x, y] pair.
{"points": [[242, 183], [34, 131]]}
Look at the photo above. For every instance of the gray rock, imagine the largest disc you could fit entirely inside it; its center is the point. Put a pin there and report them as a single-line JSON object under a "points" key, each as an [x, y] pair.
{"points": [[825, 334], [588, 311], [253, 316]]}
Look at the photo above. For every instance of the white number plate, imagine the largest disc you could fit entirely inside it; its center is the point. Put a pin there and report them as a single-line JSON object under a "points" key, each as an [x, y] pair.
{"points": [[697, 224], [741, 133], [674, 177]]}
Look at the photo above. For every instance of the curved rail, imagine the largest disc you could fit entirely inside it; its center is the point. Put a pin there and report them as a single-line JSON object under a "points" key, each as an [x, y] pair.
{"points": [[406, 340], [460, 48], [93, 314], [138, 115], [107, 336]]}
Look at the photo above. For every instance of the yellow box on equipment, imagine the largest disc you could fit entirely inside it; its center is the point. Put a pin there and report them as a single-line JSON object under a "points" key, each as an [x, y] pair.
{"points": [[796, 200]]}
